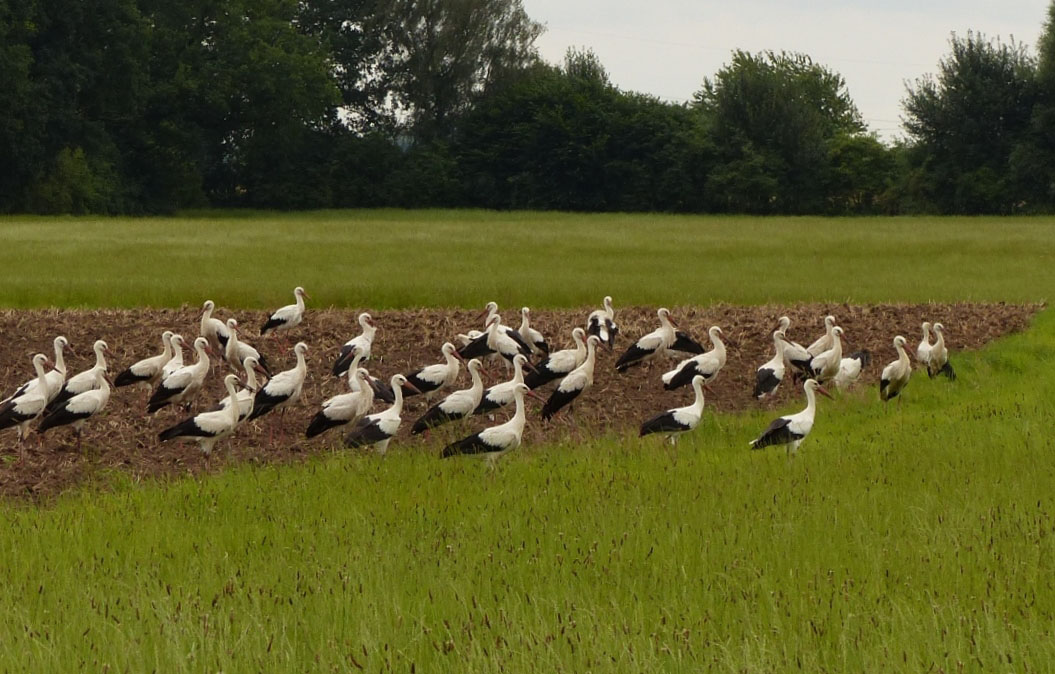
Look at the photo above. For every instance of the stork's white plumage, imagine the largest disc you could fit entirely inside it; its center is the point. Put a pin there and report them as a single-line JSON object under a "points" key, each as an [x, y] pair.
{"points": [[208, 428], [182, 385], [795, 354], [497, 339], [532, 337], [20, 410], [359, 346], [850, 369], [284, 388], [346, 407], [237, 350], [501, 395], [707, 365], [175, 362], [826, 365], [213, 329], [601, 322], [825, 341], [81, 407], [577, 381], [679, 420], [457, 405], [436, 377], [792, 429], [376, 430], [495, 441], [771, 374], [54, 379], [287, 317], [652, 345], [895, 376], [924, 348], [83, 381], [559, 363], [939, 355], [147, 371], [246, 396]]}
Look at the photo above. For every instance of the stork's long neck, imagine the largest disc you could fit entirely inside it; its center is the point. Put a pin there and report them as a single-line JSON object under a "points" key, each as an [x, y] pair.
{"points": [[177, 352], [591, 358], [206, 324], [478, 383], [203, 357], [608, 310], [166, 347], [250, 377], [926, 333], [301, 367], [233, 408], [939, 340], [368, 331], [491, 311], [100, 358], [397, 407], [697, 405], [42, 375], [232, 342], [300, 302], [778, 344], [525, 322], [102, 384], [580, 349], [60, 362], [518, 372], [811, 402], [902, 357], [519, 416], [355, 380], [719, 346]]}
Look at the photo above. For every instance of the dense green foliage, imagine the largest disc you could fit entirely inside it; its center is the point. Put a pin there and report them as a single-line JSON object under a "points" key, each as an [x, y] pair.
{"points": [[130, 106]]}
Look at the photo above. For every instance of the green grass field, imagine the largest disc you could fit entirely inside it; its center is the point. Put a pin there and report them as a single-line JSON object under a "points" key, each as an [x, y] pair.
{"points": [[899, 540]]}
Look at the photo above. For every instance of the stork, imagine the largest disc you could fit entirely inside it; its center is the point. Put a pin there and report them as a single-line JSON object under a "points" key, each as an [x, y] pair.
{"points": [[923, 351], [376, 430], [183, 384], [496, 339], [825, 365], [850, 369], [794, 353], [289, 316], [82, 406], [357, 347], [825, 341], [501, 394], [208, 428], [771, 374], [707, 365], [54, 378], [21, 409], [939, 356], [84, 381], [284, 388], [601, 322], [532, 337], [246, 396], [346, 407], [895, 376], [651, 345], [176, 361], [678, 420], [380, 388], [559, 363], [792, 429], [435, 377], [577, 381], [213, 329], [495, 441], [490, 312], [237, 350], [147, 372], [457, 405]]}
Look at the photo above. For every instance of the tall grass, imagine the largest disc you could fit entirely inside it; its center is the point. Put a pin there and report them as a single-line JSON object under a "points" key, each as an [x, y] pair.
{"points": [[393, 259], [900, 539]]}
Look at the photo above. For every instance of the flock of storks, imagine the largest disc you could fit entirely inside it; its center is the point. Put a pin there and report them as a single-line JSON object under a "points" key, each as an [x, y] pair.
{"points": [[56, 400]]}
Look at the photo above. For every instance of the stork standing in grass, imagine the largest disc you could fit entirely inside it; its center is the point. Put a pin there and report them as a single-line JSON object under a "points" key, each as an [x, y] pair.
{"points": [[213, 329], [84, 381], [147, 372], [850, 369], [376, 430], [792, 429], [495, 441], [825, 365], [182, 385], [287, 317], [80, 407], [679, 420], [435, 377], [559, 363], [939, 355], [895, 376], [532, 337], [22, 409], [577, 381], [707, 365], [358, 347], [344, 408], [457, 405], [601, 322], [924, 348], [208, 428], [771, 374]]}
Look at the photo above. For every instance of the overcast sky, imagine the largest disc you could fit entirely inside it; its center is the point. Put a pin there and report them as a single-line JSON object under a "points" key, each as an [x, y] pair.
{"points": [[667, 47]]}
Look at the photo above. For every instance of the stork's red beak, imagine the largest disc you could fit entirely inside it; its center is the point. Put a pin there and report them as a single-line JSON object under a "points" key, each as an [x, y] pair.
{"points": [[824, 392]]}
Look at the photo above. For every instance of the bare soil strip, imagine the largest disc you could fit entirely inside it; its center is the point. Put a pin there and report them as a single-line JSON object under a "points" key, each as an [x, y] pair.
{"points": [[124, 439]]}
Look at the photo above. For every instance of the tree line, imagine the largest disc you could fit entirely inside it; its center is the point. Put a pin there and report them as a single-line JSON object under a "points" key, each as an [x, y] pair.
{"points": [[146, 106]]}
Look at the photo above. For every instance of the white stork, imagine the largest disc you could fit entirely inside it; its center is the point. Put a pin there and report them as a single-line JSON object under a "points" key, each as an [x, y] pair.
{"points": [[601, 322], [176, 361], [147, 371], [792, 429], [501, 394], [457, 405], [358, 347], [532, 337], [246, 397], [559, 363], [850, 369], [679, 420], [289, 316], [707, 365], [83, 381], [237, 350], [825, 365], [346, 407], [497, 339], [939, 356], [380, 388], [284, 388], [435, 377], [183, 384], [924, 349], [54, 379], [376, 430], [577, 381], [651, 345], [213, 329], [825, 341], [495, 441], [771, 374], [208, 428], [794, 353], [82, 406], [895, 376], [21, 409]]}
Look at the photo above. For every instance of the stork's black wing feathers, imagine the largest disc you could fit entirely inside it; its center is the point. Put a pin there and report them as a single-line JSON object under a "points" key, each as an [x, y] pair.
{"points": [[766, 381], [60, 417], [557, 401], [632, 356], [365, 432], [434, 416], [185, 428], [344, 360], [778, 433], [683, 341], [662, 423], [477, 348], [470, 445], [683, 376]]}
